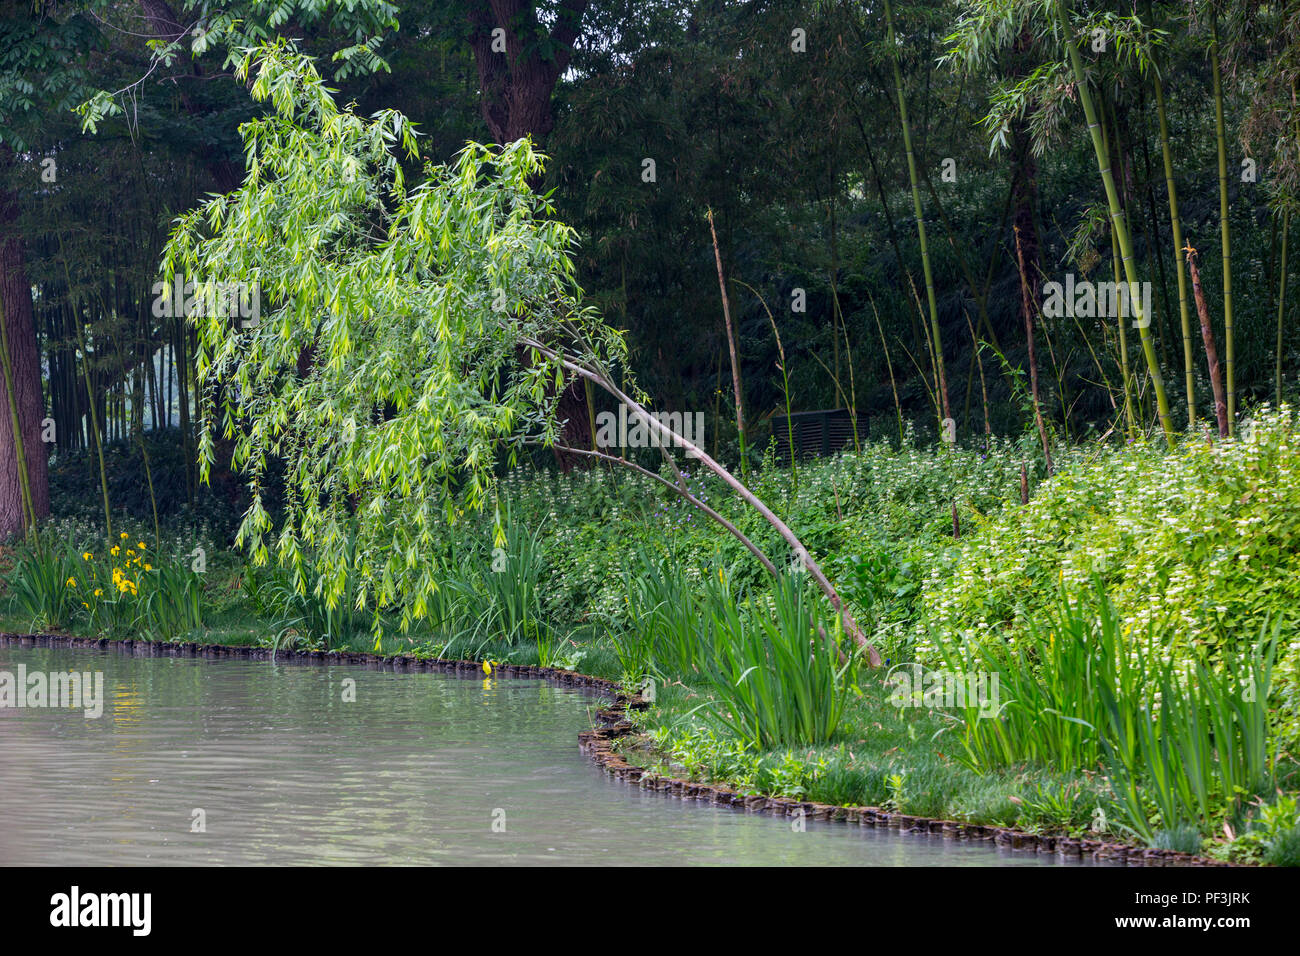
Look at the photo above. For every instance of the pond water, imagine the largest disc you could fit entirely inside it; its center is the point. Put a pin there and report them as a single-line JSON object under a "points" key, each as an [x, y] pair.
{"points": [[419, 769]]}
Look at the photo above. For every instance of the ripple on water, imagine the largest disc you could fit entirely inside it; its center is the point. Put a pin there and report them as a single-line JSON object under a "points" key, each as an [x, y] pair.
{"points": [[414, 771]]}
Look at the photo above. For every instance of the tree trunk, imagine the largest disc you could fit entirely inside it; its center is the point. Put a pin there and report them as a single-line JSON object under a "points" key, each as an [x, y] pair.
{"points": [[20, 332], [670, 438], [515, 87], [515, 83]]}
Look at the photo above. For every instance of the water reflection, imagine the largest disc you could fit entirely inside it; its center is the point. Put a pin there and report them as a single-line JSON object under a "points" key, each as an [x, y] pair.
{"points": [[291, 764]]}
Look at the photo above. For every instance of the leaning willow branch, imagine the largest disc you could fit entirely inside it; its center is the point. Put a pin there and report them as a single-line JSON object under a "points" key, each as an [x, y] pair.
{"points": [[574, 366]]}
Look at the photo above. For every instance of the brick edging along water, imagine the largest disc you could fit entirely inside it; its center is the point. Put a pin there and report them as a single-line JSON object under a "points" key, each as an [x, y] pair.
{"points": [[612, 724]]}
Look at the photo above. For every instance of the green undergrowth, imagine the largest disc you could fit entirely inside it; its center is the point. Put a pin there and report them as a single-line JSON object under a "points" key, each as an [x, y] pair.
{"points": [[1193, 551], [900, 759]]}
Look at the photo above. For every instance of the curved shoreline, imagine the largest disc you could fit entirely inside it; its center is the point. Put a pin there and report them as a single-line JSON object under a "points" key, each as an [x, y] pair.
{"points": [[612, 724]]}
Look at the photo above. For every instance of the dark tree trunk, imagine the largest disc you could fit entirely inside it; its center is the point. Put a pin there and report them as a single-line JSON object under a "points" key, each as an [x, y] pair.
{"points": [[515, 84], [515, 87], [20, 329]]}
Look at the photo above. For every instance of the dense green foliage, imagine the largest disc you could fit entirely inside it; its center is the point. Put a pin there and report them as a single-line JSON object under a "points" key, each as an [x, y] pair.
{"points": [[375, 442]]}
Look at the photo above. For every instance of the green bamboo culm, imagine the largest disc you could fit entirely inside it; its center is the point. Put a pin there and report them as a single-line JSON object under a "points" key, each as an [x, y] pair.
{"points": [[90, 396], [1184, 313], [153, 500], [1126, 375], [1221, 136], [1281, 308], [1117, 220], [94, 429], [1130, 416], [937, 345]]}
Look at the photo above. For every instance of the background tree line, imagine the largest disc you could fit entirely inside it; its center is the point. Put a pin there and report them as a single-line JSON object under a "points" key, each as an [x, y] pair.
{"points": [[891, 186]]}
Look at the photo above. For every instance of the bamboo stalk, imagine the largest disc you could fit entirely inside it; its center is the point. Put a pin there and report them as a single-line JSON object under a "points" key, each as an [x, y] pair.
{"points": [[731, 344], [937, 343], [977, 349], [91, 402], [848, 361], [1224, 231], [1184, 317], [785, 379], [980, 296], [889, 364], [1130, 415], [1117, 216], [1281, 308], [1026, 302]]}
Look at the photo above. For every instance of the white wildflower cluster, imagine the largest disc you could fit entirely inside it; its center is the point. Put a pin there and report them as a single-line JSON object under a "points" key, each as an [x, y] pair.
{"points": [[1201, 542]]}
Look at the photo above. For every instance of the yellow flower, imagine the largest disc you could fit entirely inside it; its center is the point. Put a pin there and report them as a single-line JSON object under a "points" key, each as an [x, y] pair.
{"points": [[140, 545], [130, 551], [122, 535], [115, 551], [99, 592], [148, 567], [86, 556], [72, 582]]}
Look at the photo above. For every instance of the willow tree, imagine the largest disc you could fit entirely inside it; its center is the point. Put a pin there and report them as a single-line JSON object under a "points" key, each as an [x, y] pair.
{"points": [[407, 337]]}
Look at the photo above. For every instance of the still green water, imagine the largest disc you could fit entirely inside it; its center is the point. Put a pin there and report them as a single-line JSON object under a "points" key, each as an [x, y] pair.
{"points": [[419, 769]]}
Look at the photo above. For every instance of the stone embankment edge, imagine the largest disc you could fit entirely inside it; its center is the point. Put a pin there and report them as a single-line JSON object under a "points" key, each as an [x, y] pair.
{"points": [[612, 724]]}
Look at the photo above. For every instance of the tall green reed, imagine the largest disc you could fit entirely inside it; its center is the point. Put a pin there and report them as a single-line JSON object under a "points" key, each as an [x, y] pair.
{"points": [[1202, 752], [43, 584], [1078, 691], [778, 677], [667, 629], [1047, 711], [511, 584]]}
